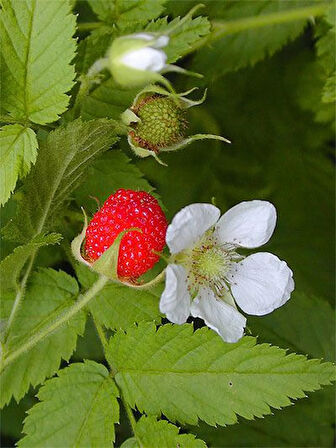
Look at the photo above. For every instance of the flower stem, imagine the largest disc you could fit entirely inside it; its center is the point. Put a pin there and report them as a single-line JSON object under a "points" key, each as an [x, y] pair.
{"points": [[130, 415], [64, 317], [19, 295], [88, 26], [149, 284], [104, 342]]}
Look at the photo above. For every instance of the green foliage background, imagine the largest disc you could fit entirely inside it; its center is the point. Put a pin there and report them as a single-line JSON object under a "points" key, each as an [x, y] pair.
{"points": [[270, 91]]}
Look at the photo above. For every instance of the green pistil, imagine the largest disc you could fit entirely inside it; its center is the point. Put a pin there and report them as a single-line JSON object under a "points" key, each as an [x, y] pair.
{"points": [[162, 123], [207, 265], [210, 263]]}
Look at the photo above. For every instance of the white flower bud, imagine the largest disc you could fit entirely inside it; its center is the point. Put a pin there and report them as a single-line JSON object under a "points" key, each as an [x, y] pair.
{"points": [[137, 59], [145, 59]]}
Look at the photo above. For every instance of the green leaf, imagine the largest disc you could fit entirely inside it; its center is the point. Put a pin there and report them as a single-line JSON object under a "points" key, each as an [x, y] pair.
{"points": [[182, 39], [119, 306], [48, 294], [93, 47], [37, 49], [305, 324], [246, 32], [151, 433], [326, 48], [310, 423], [106, 175], [325, 45], [18, 152], [188, 375], [107, 101], [77, 409], [329, 90], [127, 13], [11, 266], [60, 167], [13, 415]]}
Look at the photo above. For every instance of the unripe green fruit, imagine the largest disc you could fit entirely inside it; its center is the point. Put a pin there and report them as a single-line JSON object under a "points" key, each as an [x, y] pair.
{"points": [[162, 122]]}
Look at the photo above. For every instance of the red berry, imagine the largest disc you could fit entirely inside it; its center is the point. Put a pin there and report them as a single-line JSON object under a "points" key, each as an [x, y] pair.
{"points": [[121, 211]]}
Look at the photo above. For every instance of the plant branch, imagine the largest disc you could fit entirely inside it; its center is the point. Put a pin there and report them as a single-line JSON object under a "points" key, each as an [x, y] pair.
{"points": [[224, 28], [19, 295], [82, 301], [88, 26], [104, 342]]}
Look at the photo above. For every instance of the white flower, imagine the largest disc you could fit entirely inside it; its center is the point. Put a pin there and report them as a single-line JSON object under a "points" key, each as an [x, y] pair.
{"points": [[208, 277]]}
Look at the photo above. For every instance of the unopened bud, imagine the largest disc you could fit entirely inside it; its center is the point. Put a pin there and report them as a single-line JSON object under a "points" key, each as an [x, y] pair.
{"points": [[137, 59]]}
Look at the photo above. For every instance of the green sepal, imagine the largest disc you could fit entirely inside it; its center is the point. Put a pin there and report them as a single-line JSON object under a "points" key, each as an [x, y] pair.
{"points": [[172, 68], [76, 244], [128, 117], [186, 141], [107, 263]]}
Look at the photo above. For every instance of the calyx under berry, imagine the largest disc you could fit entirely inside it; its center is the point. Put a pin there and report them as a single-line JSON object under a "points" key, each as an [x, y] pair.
{"points": [[157, 122]]}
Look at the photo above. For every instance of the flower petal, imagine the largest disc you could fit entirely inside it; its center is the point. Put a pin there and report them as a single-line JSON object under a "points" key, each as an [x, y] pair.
{"points": [[189, 224], [175, 299], [218, 315], [261, 283], [145, 59], [248, 224]]}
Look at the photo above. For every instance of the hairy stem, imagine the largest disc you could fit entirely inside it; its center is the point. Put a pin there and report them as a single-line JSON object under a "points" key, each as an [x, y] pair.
{"points": [[88, 26], [224, 28], [158, 279], [63, 317], [104, 342], [19, 295]]}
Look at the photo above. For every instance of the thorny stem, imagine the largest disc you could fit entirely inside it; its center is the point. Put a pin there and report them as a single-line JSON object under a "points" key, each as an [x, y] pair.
{"points": [[64, 317], [104, 342]]}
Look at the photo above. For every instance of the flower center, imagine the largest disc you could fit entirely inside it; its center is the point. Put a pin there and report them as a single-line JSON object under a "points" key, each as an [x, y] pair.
{"points": [[162, 123], [207, 264]]}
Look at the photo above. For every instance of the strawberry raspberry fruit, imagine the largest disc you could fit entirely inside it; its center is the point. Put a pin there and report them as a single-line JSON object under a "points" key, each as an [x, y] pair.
{"points": [[121, 211]]}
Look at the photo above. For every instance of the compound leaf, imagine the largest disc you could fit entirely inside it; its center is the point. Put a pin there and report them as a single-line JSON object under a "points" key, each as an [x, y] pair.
{"points": [[37, 49], [10, 267], [18, 152], [48, 294], [78, 408], [127, 13], [63, 159], [188, 375], [249, 32], [183, 37]]}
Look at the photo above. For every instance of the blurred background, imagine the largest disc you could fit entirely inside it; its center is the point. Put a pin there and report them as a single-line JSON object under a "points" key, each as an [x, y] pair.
{"points": [[265, 88]]}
